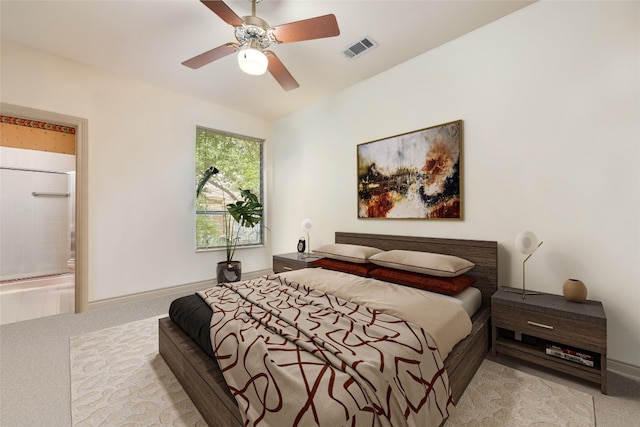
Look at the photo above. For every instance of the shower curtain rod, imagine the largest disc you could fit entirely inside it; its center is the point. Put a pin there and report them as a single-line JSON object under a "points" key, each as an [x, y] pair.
{"points": [[33, 170]]}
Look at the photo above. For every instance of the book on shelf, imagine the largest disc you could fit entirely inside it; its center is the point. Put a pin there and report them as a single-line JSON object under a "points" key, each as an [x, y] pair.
{"points": [[570, 354]]}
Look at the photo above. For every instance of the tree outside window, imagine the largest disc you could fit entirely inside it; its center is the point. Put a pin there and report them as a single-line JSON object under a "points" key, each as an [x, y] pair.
{"points": [[239, 160]]}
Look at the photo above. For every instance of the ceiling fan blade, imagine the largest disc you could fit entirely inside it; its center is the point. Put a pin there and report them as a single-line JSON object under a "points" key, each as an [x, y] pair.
{"points": [[211, 55], [280, 72], [307, 29], [223, 11]]}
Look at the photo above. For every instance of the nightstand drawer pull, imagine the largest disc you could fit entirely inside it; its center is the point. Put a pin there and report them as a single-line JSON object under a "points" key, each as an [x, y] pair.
{"points": [[287, 268], [540, 325]]}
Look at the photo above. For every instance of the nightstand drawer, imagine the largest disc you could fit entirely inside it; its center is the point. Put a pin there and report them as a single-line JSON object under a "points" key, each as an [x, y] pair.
{"points": [[292, 261], [282, 265], [574, 332]]}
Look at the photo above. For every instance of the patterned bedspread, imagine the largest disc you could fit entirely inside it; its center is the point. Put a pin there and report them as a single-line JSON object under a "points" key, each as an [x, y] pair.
{"points": [[295, 356]]}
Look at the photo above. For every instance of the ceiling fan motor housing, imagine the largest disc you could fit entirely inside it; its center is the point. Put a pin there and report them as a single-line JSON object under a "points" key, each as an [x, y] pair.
{"points": [[255, 31]]}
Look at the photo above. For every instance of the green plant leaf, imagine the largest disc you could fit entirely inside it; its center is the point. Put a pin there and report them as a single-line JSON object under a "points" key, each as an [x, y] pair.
{"points": [[206, 176]]}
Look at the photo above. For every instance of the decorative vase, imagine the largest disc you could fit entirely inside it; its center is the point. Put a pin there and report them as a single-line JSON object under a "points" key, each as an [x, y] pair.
{"points": [[229, 271], [574, 290]]}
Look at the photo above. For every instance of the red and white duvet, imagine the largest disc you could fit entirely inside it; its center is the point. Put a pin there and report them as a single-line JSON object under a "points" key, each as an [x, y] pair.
{"points": [[295, 356]]}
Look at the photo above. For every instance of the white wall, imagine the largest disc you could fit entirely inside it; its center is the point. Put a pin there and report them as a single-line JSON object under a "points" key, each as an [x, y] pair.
{"points": [[550, 99], [140, 167]]}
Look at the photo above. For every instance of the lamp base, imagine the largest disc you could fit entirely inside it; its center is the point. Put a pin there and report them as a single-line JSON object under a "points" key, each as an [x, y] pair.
{"points": [[522, 292]]}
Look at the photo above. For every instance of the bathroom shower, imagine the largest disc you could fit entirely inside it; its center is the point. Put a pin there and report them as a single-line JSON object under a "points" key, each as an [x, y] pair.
{"points": [[37, 223]]}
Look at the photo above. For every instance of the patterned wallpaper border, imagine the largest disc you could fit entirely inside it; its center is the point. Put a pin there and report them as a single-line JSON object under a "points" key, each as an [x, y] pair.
{"points": [[36, 124]]}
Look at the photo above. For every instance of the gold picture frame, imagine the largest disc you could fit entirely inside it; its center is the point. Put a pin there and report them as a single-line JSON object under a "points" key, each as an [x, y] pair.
{"points": [[414, 175]]}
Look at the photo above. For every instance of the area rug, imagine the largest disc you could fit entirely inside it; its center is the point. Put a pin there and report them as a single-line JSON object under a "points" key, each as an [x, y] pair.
{"points": [[502, 396], [119, 379]]}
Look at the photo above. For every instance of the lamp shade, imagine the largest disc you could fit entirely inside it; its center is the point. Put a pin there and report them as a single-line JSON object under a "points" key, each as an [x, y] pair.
{"points": [[306, 225], [252, 61], [527, 242]]}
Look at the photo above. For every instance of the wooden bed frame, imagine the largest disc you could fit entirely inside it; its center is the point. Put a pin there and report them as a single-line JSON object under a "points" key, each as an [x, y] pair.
{"points": [[202, 380]]}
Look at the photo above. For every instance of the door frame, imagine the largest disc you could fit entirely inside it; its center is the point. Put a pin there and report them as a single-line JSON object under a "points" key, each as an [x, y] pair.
{"points": [[82, 202]]}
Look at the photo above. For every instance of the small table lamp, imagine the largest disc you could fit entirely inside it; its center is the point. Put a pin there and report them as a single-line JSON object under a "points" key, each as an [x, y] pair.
{"points": [[306, 226], [527, 243]]}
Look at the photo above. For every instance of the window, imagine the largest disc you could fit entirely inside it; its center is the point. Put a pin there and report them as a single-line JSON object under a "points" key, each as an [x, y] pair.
{"points": [[239, 160]]}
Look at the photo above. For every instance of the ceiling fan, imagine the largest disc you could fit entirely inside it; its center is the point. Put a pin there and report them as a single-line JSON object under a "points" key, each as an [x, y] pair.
{"points": [[254, 36]]}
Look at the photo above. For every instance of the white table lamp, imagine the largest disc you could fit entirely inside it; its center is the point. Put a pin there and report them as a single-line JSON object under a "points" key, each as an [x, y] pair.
{"points": [[527, 243], [306, 226]]}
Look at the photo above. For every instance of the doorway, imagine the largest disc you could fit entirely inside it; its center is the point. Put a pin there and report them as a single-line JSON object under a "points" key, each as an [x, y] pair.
{"points": [[74, 276]]}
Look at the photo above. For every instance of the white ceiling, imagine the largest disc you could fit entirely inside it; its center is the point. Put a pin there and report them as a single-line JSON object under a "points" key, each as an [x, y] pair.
{"points": [[148, 40]]}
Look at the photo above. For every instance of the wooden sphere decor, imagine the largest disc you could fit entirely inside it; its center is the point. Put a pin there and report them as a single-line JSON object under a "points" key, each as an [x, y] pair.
{"points": [[574, 290]]}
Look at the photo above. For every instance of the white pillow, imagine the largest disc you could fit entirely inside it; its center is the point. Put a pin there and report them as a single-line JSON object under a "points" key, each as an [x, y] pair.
{"points": [[345, 252], [423, 262]]}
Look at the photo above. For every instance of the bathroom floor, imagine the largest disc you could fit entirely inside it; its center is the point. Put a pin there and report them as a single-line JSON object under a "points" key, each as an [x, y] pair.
{"points": [[37, 298]]}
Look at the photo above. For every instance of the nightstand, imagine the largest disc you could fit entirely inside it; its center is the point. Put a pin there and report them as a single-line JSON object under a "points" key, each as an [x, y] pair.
{"points": [[292, 261], [530, 328]]}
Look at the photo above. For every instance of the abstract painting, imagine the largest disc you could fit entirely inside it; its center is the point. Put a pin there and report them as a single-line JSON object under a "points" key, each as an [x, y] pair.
{"points": [[412, 175]]}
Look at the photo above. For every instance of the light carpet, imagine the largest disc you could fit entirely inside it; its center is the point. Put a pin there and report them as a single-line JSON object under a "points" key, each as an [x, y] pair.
{"points": [[119, 379], [502, 396]]}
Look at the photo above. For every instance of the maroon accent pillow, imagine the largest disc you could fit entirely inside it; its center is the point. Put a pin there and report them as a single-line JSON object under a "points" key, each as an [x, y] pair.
{"points": [[441, 285], [345, 266]]}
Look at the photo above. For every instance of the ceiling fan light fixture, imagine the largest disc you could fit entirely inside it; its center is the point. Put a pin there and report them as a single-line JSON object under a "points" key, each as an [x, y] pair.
{"points": [[254, 37], [252, 61]]}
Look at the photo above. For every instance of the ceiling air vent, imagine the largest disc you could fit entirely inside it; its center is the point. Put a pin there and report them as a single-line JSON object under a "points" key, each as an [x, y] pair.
{"points": [[358, 48]]}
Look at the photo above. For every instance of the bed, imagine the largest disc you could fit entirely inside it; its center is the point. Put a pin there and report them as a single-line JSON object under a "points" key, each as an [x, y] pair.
{"points": [[201, 378]]}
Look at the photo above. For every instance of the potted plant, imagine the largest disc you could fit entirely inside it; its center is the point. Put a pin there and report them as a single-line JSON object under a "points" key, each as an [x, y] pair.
{"points": [[245, 212]]}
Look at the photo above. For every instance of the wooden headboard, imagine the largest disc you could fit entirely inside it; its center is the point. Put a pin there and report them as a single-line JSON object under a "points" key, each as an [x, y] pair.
{"points": [[484, 254]]}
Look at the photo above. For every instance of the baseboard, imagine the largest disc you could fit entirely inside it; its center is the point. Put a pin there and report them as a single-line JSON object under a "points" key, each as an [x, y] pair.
{"points": [[623, 368], [173, 290]]}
